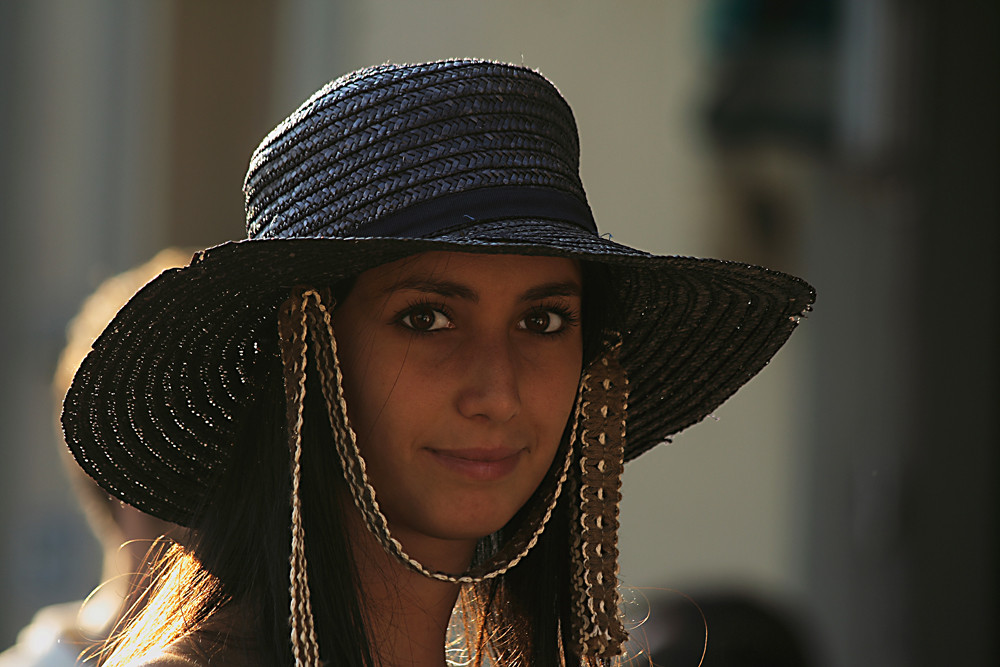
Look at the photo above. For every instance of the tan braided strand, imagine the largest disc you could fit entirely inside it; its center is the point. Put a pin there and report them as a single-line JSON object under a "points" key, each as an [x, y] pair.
{"points": [[294, 351], [579, 617], [362, 492], [597, 621]]}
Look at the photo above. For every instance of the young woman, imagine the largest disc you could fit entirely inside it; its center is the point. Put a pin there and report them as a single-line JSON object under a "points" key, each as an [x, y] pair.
{"points": [[406, 399]]}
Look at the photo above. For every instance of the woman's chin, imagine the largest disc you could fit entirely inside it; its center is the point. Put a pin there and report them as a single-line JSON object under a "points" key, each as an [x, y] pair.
{"points": [[444, 545], [463, 531]]}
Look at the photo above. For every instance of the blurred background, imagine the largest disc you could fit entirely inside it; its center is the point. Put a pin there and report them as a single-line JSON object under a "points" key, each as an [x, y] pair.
{"points": [[852, 485]]}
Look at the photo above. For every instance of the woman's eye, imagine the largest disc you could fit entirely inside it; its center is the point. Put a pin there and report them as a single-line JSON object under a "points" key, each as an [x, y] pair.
{"points": [[425, 319], [543, 322]]}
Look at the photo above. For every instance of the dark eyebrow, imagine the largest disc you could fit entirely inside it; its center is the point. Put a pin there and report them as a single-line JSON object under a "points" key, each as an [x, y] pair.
{"points": [[565, 288], [457, 290], [441, 287]]}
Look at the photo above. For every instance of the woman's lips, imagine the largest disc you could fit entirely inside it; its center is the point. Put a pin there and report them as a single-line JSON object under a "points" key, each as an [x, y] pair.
{"points": [[480, 464]]}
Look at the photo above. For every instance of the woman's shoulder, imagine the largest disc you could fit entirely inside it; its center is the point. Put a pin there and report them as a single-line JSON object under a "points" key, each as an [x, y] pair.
{"points": [[191, 655], [164, 660], [219, 641], [199, 650]]}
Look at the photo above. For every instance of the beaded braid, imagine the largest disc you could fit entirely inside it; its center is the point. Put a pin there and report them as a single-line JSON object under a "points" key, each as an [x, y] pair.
{"points": [[596, 623]]}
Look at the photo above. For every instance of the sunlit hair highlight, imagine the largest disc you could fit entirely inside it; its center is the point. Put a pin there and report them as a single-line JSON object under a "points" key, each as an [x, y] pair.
{"points": [[183, 595]]}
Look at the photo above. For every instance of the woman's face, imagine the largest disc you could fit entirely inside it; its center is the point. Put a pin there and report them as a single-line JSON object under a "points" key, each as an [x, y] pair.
{"points": [[460, 372]]}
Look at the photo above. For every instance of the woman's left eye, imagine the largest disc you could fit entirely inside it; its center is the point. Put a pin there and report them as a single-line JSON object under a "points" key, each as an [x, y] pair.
{"points": [[543, 322]]}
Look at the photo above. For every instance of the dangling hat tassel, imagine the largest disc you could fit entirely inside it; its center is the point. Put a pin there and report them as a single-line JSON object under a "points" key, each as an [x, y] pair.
{"points": [[597, 625], [292, 332]]}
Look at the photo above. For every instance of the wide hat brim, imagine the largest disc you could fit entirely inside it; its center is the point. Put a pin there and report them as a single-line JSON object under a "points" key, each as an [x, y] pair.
{"points": [[153, 412]]}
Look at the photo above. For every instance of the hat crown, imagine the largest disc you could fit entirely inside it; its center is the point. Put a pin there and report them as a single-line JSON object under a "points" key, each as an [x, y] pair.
{"points": [[394, 137]]}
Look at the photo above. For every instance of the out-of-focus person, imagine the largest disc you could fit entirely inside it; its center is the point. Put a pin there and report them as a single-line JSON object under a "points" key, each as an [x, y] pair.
{"points": [[724, 628], [61, 634]]}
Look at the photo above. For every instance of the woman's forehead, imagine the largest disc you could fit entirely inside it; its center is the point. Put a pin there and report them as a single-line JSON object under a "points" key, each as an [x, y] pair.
{"points": [[476, 271]]}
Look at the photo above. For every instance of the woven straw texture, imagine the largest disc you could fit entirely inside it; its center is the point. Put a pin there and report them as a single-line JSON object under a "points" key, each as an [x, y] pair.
{"points": [[378, 165]]}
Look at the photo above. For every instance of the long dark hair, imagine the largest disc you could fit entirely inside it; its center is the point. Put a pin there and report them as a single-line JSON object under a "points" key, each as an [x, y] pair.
{"points": [[237, 554]]}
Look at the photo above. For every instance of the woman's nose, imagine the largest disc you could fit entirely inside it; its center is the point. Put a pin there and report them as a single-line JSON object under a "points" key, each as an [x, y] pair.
{"points": [[489, 386]]}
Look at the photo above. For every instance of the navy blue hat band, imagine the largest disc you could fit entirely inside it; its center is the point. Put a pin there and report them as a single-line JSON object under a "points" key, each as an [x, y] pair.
{"points": [[493, 203]]}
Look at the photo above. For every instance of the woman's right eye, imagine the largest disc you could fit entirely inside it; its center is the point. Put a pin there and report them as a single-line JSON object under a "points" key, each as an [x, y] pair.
{"points": [[425, 318]]}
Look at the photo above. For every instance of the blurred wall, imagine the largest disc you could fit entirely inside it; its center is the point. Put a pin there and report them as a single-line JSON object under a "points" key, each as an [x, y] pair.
{"points": [[129, 127], [83, 101]]}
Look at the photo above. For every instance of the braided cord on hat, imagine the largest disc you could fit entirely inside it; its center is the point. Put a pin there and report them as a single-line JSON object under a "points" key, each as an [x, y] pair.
{"points": [[294, 357], [597, 625]]}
